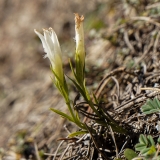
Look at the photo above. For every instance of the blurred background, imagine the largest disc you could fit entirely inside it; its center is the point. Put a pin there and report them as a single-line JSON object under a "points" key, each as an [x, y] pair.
{"points": [[26, 89]]}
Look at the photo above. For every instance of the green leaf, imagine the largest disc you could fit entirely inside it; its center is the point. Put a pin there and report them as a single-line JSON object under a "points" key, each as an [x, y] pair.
{"points": [[55, 74], [63, 91], [143, 139], [145, 151], [148, 151], [77, 133], [139, 147], [146, 146], [79, 88], [77, 116], [147, 108], [152, 150], [157, 102], [72, 69], [130, 154], [151, 111], [62, 114], [95, 99], [151, 106], [151, 103], [151, 141]]}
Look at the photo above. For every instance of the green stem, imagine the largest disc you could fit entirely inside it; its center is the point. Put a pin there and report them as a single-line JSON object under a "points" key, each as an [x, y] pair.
{"points": [[89, 101], [77, 122]]}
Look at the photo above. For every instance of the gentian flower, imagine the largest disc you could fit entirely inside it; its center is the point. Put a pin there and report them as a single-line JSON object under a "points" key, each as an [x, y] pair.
{"points": [[53, 52]]}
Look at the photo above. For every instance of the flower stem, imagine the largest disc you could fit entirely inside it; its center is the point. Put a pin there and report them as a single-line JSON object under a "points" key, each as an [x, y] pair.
{"points": [[77, 122]]}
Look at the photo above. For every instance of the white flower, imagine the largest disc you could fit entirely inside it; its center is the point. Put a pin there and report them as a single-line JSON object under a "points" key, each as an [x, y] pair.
{"points": [[80, 49], [53, 51]]}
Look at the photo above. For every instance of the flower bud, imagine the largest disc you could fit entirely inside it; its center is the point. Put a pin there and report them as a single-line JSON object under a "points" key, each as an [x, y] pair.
{"points": [[80, 49]]}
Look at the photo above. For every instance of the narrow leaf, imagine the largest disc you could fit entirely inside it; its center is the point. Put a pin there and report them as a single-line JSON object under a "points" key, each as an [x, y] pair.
{"points": [[78, 87], [95, 99], [72, 69], [77, 133], [62, 114]]}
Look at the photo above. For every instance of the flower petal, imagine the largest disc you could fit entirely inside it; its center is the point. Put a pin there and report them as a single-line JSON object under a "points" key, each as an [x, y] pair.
{"points": [[44, 44], [52, 48], [50, 44], [57, 49]]}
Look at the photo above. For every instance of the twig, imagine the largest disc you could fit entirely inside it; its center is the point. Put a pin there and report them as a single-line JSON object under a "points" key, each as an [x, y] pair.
{"points": [[65, 151], [65, 127], [49, 154], [155, 5], [156, 156], [147, 19], [128, 42], [137, 37], [136, 100], [145, 52], [156, 43], [112, 134], [55, 154], [117, 84], [36, 150], [149, 88], [105, 80]]}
